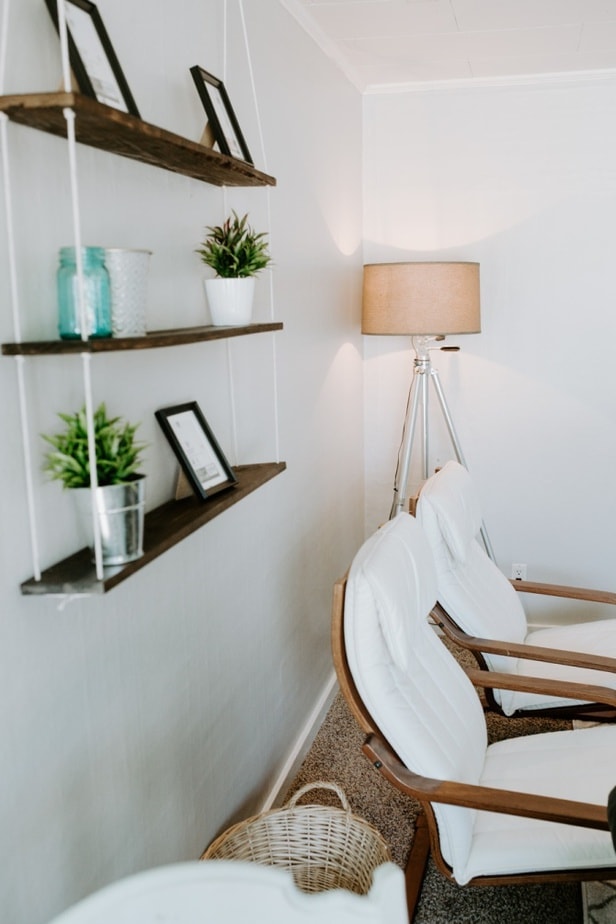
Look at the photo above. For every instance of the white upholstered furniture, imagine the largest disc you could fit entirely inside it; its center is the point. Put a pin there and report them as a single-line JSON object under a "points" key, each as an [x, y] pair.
{"points": [[427, 734], [215, 891], [474, 596]]}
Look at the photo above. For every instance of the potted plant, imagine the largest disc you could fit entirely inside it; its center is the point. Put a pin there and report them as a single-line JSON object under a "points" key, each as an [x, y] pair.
{"points": [[119, 500], [236, 253]]}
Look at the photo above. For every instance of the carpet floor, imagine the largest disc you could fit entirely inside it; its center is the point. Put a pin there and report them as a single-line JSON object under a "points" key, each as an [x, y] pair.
{"points": [[336, 756]]}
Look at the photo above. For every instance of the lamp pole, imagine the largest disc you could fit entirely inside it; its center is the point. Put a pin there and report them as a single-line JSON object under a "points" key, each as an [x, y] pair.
{"points": [[424, 373]]}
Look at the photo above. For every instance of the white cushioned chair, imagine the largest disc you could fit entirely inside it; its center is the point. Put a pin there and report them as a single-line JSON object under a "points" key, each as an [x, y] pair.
{"points": [[233, 892], [480, 608], [527, 809]]}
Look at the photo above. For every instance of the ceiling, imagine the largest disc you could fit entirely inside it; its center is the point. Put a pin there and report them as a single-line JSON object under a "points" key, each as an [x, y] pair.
{"points": [[386, 44]]}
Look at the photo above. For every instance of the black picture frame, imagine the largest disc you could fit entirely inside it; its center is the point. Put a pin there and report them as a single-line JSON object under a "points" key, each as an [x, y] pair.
{"points": [[91, 55], [225, 127], [197, 450]]}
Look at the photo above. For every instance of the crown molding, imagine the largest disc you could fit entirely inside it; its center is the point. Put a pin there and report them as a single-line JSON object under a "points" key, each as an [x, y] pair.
{"points": [[477, 83]]}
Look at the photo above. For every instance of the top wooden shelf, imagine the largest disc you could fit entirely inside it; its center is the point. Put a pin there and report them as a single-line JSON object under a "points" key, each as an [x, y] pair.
{"points": [[120, 133], [153, 340]]}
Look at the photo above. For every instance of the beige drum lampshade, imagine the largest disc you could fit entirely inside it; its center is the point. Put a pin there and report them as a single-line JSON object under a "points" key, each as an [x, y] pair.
{"points": [[421, 298]]}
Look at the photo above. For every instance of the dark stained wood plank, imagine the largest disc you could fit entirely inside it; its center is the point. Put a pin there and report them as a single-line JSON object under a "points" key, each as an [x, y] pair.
{"points": [[152, 340], [120, 133], [164, 527]]}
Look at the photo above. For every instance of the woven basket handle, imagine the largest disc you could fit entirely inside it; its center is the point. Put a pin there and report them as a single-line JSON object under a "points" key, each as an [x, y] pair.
{"points": [[320, 785]]}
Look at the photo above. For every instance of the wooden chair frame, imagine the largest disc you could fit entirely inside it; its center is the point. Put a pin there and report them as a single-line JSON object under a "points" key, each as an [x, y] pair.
{"points": [[591, 711], [426, 790]]}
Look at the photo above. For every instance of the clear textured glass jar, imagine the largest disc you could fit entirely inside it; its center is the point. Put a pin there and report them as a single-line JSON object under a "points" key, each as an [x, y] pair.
{"points": [[96, 292]]}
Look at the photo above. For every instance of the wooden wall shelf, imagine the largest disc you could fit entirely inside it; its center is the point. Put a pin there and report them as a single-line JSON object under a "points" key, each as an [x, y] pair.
{"points": [[152, 340], [164, 527], [120, 133]]}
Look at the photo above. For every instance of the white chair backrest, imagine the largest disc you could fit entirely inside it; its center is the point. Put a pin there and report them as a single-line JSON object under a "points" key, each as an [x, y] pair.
{"points": [[415, 690], [472, 589], [210, 891]]}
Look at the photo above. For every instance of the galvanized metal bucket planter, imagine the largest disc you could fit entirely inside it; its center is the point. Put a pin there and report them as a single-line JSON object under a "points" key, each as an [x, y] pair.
{"points": [[120, 509]]}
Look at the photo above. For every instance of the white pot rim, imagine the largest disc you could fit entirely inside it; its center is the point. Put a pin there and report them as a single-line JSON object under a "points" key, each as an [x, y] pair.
{"points": [[127, 250]]}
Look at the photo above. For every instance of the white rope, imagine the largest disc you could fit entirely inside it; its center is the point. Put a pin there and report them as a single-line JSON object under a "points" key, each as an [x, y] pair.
{"points": [[14, 295], [225, 42], [21, 384], [69, 115], [65, 600], [4, 42], [225, 27], [10, 228], [87, 387], [275, 386], [276, 422], [232, 406], [252, 81], [62, 31], [225, 206], [27, 451]]}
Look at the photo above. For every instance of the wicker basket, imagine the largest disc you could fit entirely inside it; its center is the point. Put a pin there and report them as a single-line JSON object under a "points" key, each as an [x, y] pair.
{"points": [[324, 847]]}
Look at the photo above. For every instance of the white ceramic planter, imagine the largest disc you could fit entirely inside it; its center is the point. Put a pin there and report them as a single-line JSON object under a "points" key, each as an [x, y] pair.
{"points": [[230, 300]]}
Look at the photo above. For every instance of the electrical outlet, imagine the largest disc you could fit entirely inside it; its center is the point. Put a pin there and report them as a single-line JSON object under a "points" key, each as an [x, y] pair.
{"points": [[518, 571]]}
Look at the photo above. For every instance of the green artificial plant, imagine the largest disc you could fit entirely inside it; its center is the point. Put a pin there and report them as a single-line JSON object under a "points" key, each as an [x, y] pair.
{"points": [[234, 249], [118, 455]]}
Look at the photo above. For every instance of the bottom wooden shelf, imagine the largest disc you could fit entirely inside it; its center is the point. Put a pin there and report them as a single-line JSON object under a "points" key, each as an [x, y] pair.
{"points": [[164, 527]]}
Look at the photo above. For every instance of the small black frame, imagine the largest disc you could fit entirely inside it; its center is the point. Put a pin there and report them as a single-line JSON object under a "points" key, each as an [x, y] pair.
{"points": [[225, 127], [91, 55], [202, 460]]}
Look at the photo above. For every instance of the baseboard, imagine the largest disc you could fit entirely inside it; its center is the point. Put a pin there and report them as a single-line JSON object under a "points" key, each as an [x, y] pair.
{"points": [[302, 744]]}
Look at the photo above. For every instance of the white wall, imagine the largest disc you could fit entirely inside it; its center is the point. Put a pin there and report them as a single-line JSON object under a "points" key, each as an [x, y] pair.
{"points": [[523, 180], [136, 725]]}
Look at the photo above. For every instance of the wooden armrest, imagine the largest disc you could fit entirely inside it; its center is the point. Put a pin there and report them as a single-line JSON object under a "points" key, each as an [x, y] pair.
{"points": [[508, 802], [561, 590], [587, 692], [520, 650]]}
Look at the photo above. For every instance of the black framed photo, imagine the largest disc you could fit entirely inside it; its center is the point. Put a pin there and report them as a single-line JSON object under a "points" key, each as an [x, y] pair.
{"points": [[225, 127], [92, 58], [202, 460]]}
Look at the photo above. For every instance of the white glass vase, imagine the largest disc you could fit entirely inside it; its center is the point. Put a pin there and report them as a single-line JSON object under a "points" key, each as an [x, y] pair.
{"points": [[128, 274]]}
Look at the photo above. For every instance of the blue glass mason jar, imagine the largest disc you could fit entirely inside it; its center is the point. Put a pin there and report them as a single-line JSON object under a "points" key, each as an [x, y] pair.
{"points": [[96, 291]]}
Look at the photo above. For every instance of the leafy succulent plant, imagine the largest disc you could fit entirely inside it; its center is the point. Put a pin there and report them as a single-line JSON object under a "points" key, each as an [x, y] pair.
{"points": [[118, 455], [234, 249]]}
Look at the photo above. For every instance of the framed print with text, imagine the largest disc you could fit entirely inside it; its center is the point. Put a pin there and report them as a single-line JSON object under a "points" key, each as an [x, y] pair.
{"points": [[202, 460], [225, 127], [91, 55]]}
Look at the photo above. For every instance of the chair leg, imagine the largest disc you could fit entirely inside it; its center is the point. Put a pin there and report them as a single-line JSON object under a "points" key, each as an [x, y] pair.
{"points": [[416, 864]]}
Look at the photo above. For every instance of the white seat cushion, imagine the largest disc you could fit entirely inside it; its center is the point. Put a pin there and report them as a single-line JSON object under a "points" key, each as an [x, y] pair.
{"points": [[567, 764], [598, 637]]}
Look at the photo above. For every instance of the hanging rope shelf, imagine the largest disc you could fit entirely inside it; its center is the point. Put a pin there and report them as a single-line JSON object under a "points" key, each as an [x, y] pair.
{"points": [[81, 119]]}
